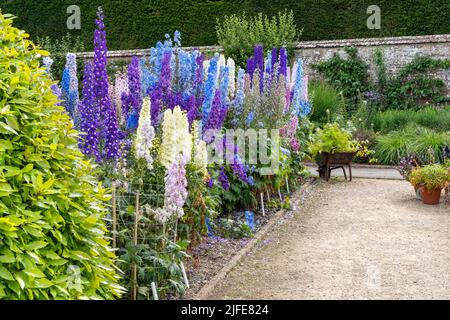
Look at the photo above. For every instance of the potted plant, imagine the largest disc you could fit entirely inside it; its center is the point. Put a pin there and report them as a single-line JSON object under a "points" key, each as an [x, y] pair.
{"points": [[407, 165], [332, 148], [430, 179]]}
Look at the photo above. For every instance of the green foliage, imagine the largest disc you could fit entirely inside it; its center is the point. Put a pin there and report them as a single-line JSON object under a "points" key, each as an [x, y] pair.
{"points": [[53, 241], [238, 196], [425, 143], [432, 118], [328, 103], [238, 34], [331, 138], [199, 205], [432, 176], [137, 23], [413, 86], [378, 59], [58, 49], [232, 228], [347, 75]]}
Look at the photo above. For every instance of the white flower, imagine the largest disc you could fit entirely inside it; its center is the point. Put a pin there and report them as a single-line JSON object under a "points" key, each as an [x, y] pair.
{"points": [[145, 135]]}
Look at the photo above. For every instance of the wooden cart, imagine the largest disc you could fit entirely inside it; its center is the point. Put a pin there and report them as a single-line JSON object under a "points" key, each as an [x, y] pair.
{"points": [[331, 161]]}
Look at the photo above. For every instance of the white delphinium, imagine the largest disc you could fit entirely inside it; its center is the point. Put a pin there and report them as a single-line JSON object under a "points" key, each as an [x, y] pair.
{"points": [[145, 135], [232, 77]]}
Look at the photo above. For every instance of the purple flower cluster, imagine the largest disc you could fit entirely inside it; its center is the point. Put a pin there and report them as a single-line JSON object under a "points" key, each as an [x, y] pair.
{"points": [[109, 133], [132, 101], [89, 116], [223, 179]]}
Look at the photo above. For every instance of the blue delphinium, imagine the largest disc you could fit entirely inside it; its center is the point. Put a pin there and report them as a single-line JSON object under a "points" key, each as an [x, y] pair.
{"points": [[223, 87], [297, 90], [209, 90], [250, 118], [69, 85]]}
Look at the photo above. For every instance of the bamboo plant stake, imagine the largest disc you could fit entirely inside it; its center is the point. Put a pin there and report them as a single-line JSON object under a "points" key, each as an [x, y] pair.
{"points": [[262, 204], [135, 239], [154, 291], [183, 271], [287, 185], [114, 216]]}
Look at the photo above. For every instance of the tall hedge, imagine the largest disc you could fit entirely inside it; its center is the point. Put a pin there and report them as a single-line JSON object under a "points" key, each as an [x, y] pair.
{"points": [[53, 241], [139, 23]]}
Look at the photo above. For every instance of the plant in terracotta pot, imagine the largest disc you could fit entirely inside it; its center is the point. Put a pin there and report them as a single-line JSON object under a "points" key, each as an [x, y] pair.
{"points": [[407, 165], [431, 179]]}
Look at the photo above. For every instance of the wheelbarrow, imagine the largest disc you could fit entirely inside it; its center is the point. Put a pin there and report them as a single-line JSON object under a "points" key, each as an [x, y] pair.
{"points": [[332, 161]]}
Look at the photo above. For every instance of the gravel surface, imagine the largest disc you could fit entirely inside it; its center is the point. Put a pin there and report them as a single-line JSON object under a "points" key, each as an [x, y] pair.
{"points": [[213, 253], [368, 239]]}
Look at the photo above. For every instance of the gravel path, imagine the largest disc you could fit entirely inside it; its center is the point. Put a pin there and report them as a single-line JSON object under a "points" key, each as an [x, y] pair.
{"points": [[368, 239]]}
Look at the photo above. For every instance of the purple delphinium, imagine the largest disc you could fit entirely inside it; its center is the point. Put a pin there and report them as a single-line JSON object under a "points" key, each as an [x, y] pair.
{"points": [[108, 119], [223, 179], [283, 62], [259, 61], [191, 109], [274, 60], [89, 116], [133, 101], [251, 68], [239, 169], [156, 96], [215, 115], [160, 93]]}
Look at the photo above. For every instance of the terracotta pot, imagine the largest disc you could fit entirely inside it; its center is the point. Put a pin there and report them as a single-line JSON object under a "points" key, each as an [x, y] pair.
{"points": [[430, 196], [417, 190]]}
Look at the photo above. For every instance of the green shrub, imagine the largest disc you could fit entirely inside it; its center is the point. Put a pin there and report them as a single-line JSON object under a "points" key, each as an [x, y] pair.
{"points": [[328, 103], [425, 143], [431, 144], [58, 49], [392, 147], [348, 75], [238, 34], [413, 86], [392, 120], [331, 138], [53, 241], [432, 176]]}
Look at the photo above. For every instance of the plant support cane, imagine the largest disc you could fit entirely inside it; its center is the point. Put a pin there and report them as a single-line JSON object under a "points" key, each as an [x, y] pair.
{"points": [[262, 204], [135, 239], [114, 216]]}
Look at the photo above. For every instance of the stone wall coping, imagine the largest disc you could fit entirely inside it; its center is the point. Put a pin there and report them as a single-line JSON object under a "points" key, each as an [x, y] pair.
{"points": [[363, 42]]}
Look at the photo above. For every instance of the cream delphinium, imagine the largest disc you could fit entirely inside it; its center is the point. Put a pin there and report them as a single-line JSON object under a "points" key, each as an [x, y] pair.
{"points": [[221, 63], [200, 155], [176, 138], [232, 77], [144, 135]]}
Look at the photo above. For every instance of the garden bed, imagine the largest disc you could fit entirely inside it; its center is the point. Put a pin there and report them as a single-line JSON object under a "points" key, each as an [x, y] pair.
{"points": [[208, 258]]}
